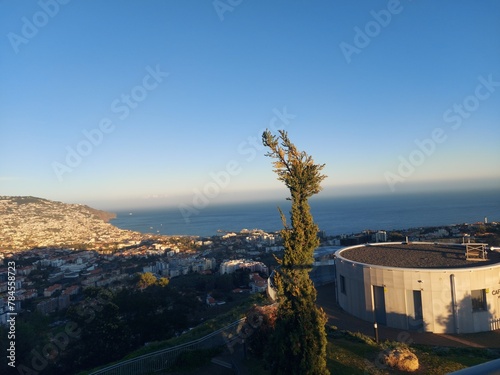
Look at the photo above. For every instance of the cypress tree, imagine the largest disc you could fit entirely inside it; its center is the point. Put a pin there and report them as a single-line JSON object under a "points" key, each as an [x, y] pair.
{"points": [[299, 339]]}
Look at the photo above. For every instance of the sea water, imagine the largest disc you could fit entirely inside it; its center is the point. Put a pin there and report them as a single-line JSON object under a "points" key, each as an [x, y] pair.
{"points": [[333, 215]]}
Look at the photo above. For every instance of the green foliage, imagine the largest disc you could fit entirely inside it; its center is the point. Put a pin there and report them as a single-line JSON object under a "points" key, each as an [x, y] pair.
{"points": [[31, 334], [355, 353], [396, 237], [360, 337], [299, 339], [203, 329], [163, 281], [146, 279], [224, 283], [263, 318], [241, 278], [112, 323], [481, 229], [194, 359], [296, 169], [106, 338]]}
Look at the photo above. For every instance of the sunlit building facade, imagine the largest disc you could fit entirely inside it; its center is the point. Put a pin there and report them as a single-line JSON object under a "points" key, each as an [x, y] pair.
{"points": [[421, 286]]}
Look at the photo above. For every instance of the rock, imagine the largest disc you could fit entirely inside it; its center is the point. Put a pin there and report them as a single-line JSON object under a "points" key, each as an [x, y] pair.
{"points": [[401, 359]]}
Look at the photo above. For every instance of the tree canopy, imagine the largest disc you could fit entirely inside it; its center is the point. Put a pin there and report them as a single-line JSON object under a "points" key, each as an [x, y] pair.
{"points": [[146, 279], [299, 339]]}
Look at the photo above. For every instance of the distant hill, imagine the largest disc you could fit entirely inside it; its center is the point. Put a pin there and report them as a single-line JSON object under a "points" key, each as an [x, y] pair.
{"points": [[103, 215], [27, 222]]}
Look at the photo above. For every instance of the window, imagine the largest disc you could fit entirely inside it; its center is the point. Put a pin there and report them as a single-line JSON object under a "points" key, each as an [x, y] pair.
{"points": [[342, 284], [478, 300]]}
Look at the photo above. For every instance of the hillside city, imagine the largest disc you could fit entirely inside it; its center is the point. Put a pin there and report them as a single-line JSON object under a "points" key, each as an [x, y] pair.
{"points": [[61, 251], [29, 222]]}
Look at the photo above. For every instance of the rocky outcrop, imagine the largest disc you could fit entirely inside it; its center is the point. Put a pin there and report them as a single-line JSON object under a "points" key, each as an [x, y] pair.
{"points": [[401, 359]]}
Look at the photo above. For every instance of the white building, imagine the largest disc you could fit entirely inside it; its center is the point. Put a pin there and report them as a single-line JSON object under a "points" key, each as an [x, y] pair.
{"points": [[420, 286], [381, 236], [231, 266]]}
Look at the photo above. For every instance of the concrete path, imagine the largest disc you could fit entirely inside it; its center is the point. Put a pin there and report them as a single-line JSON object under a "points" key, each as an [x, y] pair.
{"points": [[343, 320]]}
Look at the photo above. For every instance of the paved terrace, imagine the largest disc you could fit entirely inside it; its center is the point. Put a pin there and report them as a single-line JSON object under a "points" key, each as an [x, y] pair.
{"points": [[343, 320], [413, 255]]}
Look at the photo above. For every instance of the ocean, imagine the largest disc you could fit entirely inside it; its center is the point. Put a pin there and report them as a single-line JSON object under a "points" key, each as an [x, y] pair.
{"points": [[335, 215]]}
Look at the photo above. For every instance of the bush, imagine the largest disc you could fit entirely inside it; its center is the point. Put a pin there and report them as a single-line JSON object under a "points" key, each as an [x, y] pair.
{"points": [[193, 359], [262, 319]]}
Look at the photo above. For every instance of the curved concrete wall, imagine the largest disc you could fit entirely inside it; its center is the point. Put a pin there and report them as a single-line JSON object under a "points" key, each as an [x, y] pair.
{"points": [[433, 300]]}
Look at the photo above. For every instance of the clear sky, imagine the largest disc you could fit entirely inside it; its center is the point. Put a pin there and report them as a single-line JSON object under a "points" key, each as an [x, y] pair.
{"points": [[154, 102]]}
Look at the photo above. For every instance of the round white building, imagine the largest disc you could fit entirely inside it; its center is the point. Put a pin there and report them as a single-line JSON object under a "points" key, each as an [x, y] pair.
{"points": [[421, 286]]}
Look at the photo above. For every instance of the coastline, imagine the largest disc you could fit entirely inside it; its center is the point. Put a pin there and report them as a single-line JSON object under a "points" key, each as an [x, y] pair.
{"points": [[335, 216]]}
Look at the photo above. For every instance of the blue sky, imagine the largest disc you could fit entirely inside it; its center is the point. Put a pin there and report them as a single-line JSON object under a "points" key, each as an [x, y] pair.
{"points": [[174, 95]]}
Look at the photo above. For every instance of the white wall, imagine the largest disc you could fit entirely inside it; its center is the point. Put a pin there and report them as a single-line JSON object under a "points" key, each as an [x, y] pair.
{"points": [[435, 287]]}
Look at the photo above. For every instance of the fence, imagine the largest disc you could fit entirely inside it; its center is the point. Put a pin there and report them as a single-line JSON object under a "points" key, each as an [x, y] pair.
{"points": [[164, 358], [323, 273], [488, 368], [495, 324]]}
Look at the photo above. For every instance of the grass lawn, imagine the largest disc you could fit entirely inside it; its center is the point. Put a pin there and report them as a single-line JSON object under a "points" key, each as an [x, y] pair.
{"points": [[349, 353], [355, 354]]}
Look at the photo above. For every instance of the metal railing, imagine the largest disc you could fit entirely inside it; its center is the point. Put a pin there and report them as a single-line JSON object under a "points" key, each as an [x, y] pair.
{"points": [[495, 324], [488, 368], [164, 358]]}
